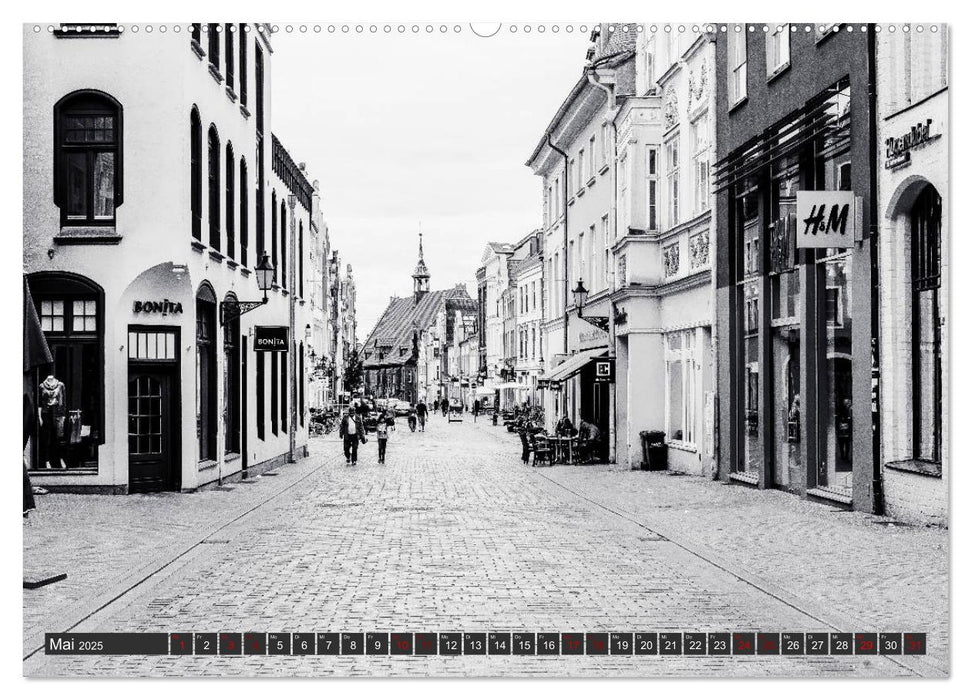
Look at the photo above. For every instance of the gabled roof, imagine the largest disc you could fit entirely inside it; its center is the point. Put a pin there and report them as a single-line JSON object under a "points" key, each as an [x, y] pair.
{"points": [[395, 328]]}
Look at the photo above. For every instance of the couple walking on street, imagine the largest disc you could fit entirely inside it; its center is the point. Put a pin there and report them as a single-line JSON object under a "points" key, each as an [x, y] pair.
{"points": [[352, 431]]}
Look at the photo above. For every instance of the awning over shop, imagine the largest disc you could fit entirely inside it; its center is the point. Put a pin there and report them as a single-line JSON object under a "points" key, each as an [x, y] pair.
{"points": [[512, 385], [574, 364]]}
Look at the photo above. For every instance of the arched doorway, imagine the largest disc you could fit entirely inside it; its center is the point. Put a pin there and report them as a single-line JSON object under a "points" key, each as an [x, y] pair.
{"points": [[925, 287], [206, 372], [69, 393]]}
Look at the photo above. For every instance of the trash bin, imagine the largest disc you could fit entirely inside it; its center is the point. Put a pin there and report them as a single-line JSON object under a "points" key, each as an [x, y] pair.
{"points": [[655, 450]]}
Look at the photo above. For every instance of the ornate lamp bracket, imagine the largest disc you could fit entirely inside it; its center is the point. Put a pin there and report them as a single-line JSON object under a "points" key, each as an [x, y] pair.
{"points": [[231, 310]]}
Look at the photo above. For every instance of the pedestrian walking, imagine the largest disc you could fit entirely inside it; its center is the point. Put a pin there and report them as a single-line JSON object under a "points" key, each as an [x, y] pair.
{"points": [[476, 407], [444, 408], [382, 435], [352, 431], [422, 411]]}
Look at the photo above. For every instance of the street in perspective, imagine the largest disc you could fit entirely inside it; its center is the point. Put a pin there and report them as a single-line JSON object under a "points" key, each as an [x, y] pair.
{"points": [[637, 369]]}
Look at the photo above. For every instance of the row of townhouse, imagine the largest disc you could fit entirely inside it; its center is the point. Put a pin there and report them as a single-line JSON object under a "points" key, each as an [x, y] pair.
{"points": [[177, 258], [679, 291]]}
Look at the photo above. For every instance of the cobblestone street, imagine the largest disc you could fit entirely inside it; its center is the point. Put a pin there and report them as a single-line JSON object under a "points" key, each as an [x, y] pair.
{"points": [[455, 534]]}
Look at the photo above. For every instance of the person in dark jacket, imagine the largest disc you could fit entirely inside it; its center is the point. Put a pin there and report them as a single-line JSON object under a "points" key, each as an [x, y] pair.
{"points": [[422, 411], [352, 431]]}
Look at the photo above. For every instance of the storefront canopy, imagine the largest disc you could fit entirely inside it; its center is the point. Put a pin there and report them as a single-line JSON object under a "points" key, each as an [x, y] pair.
{"points": [[511, 385], [574, 364]]}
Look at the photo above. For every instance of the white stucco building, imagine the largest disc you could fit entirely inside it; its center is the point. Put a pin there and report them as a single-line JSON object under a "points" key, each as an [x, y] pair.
{"points": [[148, 168]]}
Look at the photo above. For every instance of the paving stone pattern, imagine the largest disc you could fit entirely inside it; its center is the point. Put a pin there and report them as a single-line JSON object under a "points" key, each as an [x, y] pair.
{"points": [[455, 534]]}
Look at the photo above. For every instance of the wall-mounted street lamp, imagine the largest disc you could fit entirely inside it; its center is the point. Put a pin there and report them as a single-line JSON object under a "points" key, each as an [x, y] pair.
{"points": [[231, 310], [580, 295]]}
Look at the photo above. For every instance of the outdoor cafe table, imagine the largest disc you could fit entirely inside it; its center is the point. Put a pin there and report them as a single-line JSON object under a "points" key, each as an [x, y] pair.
{"points": [[562, 446]]}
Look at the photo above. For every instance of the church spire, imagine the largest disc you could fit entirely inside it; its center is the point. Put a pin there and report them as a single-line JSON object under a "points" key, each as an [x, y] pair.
{"points": [[421, 276]]}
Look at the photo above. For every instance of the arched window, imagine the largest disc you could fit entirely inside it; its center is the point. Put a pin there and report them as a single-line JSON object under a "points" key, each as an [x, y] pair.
{"points": [[273, 258], [214, 46], [243, 210], [214, 191], [283, 244], [925, 246], [195, 172], [87, 158], [230, 201]]}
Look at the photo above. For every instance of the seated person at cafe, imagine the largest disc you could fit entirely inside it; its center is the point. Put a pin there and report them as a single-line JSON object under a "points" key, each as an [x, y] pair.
{"points": [[565, 427], [590, 434]]}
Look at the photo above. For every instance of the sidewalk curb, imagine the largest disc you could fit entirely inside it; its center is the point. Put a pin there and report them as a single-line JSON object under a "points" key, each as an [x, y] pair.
{"points": [[68, 616], [840, 622]]}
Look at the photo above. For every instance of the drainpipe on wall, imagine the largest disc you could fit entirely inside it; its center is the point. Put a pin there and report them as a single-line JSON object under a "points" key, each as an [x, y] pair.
{"points": [[566, 240], [877, 488], [608, 85]]}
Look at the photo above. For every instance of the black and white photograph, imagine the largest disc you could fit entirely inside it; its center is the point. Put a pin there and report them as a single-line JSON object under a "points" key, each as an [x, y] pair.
{"points": [[438, 349]]}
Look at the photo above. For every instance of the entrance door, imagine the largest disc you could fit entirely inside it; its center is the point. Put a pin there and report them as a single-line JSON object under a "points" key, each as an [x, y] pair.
{"points": [[151, 463]]}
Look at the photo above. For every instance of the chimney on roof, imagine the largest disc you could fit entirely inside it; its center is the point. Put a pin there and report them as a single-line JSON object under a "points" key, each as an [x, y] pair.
{"points": [[302, 166]]}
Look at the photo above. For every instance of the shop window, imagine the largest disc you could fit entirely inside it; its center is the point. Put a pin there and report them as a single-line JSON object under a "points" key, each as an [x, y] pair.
{"points": [[303, 374], [68, 394], [683, 377], [275, 393], [926, 303], [87, 158], [151, 345], [284, 393], [261, 395]]}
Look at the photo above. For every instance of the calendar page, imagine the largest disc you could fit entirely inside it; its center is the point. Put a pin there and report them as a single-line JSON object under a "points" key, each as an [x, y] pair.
{"points": [[514, 349]]}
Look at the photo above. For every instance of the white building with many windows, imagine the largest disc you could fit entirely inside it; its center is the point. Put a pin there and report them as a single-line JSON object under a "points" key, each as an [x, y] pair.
{"points": [[664, 284], [148, 165]]}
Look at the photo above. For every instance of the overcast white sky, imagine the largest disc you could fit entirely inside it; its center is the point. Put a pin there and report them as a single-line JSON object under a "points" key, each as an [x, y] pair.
{"points": [[431, 127]]}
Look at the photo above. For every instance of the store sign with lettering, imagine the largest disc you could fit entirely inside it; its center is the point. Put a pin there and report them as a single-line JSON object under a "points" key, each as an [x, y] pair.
{"points": [[603, 371], [271, 339], [828, 219], [899, 147], [163, 307]]}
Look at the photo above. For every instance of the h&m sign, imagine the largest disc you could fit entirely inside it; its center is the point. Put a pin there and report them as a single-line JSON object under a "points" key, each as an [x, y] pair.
{"points": [[271, 339], [828, 219]]}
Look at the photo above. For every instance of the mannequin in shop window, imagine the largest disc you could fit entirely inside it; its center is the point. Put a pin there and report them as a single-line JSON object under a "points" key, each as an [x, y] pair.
{"points": [[51, 413]]}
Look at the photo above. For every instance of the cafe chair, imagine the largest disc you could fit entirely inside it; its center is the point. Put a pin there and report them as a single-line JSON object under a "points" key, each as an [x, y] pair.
{"points": [[541, 450]]}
